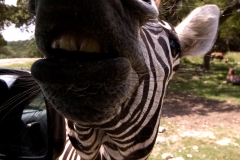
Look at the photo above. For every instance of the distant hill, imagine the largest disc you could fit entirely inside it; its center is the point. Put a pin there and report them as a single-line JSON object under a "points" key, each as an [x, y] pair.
{"points": [[20, 49]]}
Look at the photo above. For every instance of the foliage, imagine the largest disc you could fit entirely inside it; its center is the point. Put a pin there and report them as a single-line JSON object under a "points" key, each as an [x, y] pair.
{"points": [[230, 32], [31, 50], [20, 49], [4, 18], [174, 10], [15, 14], [2, 41], [4, 52], [170, 10]]}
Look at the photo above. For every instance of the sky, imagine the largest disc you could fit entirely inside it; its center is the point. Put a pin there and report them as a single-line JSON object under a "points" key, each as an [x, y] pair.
{"points": [[14, 34]]}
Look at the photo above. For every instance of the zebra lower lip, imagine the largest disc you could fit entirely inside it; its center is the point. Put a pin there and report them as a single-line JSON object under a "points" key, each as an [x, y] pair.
{"points": [[78, 90], [61, 55], [116, 70]]}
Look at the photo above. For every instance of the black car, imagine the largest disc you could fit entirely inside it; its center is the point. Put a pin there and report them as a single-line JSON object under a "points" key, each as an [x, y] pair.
{"points": [[29, 127]]}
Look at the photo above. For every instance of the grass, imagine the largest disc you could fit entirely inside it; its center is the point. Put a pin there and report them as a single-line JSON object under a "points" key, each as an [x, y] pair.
{"points": [[19, 65], [212, 84], [26, 65]]}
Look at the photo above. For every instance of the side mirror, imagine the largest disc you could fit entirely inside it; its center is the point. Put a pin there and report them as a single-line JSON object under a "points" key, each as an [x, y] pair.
{"points": [[29, 127]]}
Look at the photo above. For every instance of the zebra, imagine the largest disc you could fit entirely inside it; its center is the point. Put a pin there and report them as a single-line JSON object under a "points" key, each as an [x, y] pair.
{"points": [[107, 66]]}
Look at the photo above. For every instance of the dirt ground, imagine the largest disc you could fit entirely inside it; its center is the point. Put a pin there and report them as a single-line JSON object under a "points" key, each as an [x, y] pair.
{"points": [[4, 62], [196, 113]]}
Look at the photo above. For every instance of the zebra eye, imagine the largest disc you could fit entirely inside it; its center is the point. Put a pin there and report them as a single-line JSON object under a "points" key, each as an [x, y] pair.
{"points": [[147, 1], [175, 47]]}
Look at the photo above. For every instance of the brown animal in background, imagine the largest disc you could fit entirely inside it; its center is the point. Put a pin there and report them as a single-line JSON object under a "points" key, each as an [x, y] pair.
{"points": [[237, 63], [232, 77], [218, 55]]}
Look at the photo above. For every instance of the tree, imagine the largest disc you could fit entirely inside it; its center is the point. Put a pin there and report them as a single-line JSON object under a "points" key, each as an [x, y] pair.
{"points": [[3, 18], [170, 10], [17, 15], [229, 32], [2, 41]]}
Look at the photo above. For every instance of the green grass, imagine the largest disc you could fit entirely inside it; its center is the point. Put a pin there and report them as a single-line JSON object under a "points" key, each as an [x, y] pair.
{"points": [[212, 84], [26, 65], [233, 57]]}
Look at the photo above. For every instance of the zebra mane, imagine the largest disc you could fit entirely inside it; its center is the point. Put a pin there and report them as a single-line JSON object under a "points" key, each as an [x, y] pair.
{"points": [[198, 31]]}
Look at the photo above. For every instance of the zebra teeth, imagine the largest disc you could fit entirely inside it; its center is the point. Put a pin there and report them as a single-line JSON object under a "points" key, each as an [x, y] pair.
{"points": [[66, 41], [89, 44], [70, 42]]}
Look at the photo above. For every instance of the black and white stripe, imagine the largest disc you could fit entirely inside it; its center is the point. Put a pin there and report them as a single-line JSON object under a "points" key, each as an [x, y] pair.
{"points": [[139, 115]]}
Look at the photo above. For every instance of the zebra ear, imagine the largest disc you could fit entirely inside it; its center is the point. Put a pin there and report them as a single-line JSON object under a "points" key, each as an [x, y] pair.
{"points": [[157, 2], [197, 33]]}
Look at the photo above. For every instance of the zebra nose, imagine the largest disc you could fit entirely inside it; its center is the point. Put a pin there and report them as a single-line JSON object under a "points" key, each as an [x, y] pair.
{"points": [[144, 10]]}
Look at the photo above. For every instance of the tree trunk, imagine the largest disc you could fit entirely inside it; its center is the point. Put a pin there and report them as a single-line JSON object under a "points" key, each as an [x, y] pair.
{"points": [[206, 61], [225, 15]]}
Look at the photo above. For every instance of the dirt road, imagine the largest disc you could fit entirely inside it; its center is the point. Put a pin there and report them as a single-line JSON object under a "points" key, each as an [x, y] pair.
{"points": [[199, 113], [4, 62]]}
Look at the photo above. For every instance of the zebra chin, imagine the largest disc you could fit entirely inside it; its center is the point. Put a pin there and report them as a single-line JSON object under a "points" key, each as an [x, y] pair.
{"points": [[88, 109]]}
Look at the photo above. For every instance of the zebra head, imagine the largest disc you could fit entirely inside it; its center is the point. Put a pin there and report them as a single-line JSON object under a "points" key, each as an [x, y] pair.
{"points": [[108, 63]]}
